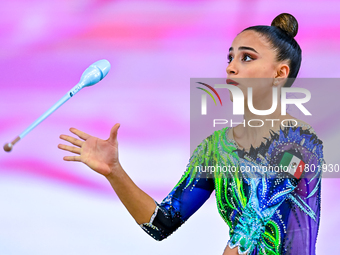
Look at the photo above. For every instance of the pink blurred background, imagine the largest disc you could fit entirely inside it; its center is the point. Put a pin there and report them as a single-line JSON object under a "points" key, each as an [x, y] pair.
{"points": [[49, 206]]}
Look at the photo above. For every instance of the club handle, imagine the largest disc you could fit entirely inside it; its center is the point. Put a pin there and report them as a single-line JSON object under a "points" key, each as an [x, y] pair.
{"points": [[45, 115]]}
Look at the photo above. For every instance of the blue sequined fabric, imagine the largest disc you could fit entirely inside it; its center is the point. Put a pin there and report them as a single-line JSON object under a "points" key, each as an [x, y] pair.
{"points": [[267, 211]]}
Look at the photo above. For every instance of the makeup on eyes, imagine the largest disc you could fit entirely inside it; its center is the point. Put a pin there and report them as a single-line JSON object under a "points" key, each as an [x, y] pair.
{"points": [[243, 57]]}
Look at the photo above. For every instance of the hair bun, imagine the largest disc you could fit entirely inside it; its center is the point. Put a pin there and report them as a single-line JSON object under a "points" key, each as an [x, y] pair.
{"points": [[287, 23]]}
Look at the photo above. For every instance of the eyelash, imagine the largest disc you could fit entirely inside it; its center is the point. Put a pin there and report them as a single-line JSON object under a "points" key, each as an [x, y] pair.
{"points": [[245, 55]]}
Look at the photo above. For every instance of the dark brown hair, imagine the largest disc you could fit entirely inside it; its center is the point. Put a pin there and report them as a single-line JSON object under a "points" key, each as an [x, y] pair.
{"points": [[281, 35]]}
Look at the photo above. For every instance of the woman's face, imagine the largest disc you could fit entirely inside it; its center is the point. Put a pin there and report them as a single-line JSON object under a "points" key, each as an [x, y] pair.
{"points": [[251, 56]]}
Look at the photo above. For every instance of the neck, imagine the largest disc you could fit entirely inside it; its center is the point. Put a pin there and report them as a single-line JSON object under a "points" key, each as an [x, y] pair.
{"points": [[256, 127]]}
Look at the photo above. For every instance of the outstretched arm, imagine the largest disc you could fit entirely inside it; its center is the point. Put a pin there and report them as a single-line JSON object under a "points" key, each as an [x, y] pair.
{"points": [[188, 195], [102, 156]]}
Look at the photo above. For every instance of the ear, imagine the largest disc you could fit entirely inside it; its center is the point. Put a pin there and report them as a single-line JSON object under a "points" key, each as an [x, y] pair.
{"points": [[281, 74], [282, 71]]}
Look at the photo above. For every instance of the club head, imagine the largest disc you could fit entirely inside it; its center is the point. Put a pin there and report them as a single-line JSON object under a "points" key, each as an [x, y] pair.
{"points": [[95, 73]]}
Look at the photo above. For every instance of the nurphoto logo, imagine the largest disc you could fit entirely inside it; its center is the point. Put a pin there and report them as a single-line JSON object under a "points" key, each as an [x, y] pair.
{"points": [[238, 103]]}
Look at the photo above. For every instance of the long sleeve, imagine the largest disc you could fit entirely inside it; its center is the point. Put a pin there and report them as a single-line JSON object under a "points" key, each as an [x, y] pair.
{"points": [[303, 221], [296, 185], [185, 199]]}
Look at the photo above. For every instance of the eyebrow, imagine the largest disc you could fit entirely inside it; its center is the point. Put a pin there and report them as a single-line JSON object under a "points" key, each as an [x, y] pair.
{"points": [[243, 48]]}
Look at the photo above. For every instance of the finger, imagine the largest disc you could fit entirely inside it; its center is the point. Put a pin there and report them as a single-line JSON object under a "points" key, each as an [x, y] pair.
{"points": [[72, 140], [69, 148], [79, 133], [114, 132], [72, 158]]}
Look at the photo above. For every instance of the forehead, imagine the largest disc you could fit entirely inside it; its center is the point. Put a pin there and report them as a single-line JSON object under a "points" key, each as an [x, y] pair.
{"points": [[251, 39]]}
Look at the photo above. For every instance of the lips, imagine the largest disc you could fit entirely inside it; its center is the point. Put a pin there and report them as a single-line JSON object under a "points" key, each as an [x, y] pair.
{"points": [[230, 81]]}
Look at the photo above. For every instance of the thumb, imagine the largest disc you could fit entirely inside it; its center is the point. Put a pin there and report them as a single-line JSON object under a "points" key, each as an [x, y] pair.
{"points": [[113, 133]]}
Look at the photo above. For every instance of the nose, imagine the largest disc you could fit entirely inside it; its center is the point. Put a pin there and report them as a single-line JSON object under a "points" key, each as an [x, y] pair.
{"points": [[231, 68]]}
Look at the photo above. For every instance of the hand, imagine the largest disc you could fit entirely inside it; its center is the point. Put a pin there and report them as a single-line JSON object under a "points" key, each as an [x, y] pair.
{"points": [[100, 155]]}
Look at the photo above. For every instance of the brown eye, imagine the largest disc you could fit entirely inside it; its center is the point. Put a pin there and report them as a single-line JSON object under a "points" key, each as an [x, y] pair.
{"points": [[247, 58]]}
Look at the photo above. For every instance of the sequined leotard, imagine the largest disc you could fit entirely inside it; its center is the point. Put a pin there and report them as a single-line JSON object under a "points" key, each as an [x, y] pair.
{"points": [[269, 211]]}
